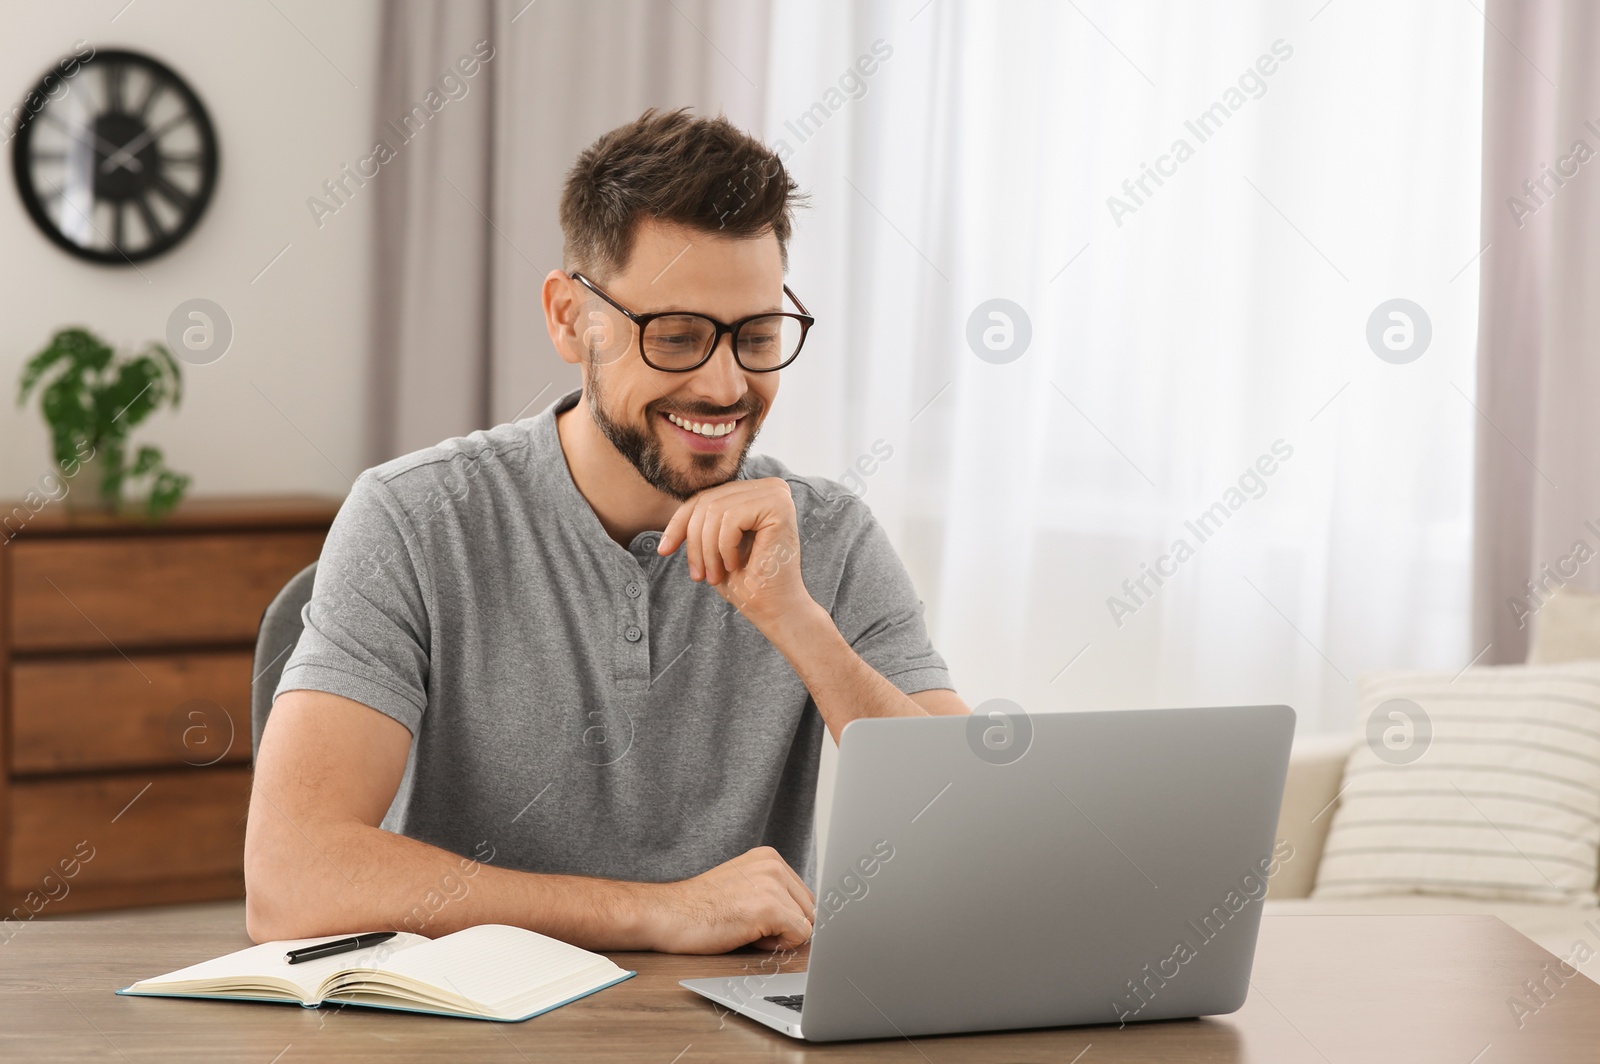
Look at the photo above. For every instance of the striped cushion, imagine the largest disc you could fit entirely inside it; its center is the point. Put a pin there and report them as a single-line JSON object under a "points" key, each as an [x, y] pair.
{"points": [[1492, 790]]}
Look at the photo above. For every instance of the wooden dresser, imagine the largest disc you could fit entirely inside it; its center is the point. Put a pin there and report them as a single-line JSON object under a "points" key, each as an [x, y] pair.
{"points": [[126, 651]]}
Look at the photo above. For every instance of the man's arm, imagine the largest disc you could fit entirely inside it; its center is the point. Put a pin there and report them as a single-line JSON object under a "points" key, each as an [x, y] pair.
{"points": [[317, 863], [743, 538], [844, 686], [941, 703]]}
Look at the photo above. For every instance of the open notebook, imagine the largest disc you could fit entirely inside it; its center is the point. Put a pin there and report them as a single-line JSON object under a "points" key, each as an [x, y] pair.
{"points": [[488, 972]]}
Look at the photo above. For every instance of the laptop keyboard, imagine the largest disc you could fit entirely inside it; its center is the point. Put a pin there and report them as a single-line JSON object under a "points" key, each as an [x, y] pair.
{"points": [[789, 1001]]}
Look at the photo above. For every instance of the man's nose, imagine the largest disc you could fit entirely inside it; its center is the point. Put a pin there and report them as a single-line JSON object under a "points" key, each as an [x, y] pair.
{"points": [[721, 379]]}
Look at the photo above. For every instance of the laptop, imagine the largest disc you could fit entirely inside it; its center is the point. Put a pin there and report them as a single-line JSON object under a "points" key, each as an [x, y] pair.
{"points": [[1006, 871]]}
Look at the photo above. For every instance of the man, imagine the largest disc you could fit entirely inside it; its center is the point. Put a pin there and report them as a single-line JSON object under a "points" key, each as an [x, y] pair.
{"points": [[596, 649]]}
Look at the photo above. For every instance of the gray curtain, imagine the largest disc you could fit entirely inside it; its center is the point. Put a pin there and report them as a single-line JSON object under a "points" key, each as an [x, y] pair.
{"points": [[1538, 456], [432, 302], [466, 225]]}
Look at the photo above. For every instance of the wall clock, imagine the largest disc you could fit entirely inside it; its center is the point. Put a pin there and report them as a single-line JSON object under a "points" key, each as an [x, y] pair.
{"points": [[119, 163]]}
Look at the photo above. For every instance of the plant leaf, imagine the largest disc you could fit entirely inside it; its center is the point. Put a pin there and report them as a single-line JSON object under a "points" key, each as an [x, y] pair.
{"points": [[89, 396], [131, 396], [173, 370], [38, 364], [165, 492], [148, 459]]}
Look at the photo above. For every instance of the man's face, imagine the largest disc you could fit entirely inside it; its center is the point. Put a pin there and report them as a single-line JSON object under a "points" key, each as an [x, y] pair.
{"points": [[650, 415]]}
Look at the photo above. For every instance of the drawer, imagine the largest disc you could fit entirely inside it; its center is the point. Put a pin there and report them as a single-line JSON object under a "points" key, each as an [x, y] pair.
{"points": [[155, 710], [141, 591], [186, 824]]}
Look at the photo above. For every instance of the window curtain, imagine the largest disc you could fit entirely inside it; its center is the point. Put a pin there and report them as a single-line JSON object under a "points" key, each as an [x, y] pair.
{"points": [[1170, 468], [1538, 467], [1052, 344], [432, 174], [466, 209], [575, 69]]}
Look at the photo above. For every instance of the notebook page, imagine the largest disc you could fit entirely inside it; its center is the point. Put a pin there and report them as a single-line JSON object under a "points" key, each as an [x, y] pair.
{"points": [[493, 963], [267, 959]]}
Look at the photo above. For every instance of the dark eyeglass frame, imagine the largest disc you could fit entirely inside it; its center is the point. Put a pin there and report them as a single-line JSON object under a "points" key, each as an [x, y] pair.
{"points": [[641, 320]]}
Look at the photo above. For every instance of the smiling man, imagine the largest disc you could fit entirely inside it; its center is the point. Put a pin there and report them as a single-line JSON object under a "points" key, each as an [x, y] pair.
{"points": [[572, 672]]}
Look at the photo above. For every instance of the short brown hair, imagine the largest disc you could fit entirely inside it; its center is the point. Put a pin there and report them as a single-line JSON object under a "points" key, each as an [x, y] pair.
{"points": [[705, 173]]}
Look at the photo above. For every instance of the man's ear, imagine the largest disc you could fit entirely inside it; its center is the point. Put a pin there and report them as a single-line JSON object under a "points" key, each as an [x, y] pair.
{"points": [[562, 308]]}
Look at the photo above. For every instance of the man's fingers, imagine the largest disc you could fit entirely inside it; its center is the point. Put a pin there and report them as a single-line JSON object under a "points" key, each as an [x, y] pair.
{"points": [[710, 557], [692, 540], [718, 527], [800, 893], [672, 536], [796, 887], [789, 939], [798, 932], [790, 925], [729, 538], [758, 901]]}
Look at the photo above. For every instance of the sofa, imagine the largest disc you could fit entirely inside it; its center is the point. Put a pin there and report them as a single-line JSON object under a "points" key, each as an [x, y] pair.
{"points": [[1566, 631], [1316, 769]]}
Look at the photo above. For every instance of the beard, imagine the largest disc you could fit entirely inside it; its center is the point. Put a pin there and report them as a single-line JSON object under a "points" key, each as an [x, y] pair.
{"points": [[640, 445]]}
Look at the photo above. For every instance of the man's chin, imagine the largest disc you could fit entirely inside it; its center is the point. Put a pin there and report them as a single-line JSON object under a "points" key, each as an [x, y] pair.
{"points": [[696, 473]]}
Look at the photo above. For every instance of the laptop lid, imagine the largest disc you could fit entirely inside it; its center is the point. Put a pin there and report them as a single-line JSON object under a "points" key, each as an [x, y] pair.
{"points": [[1002, 870]]}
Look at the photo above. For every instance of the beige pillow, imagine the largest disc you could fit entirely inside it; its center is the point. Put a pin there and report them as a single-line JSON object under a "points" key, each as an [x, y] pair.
{"points": [[1485, 785], [1567, 628]]}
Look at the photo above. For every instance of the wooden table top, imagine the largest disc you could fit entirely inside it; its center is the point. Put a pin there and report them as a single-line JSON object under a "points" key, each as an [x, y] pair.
{"points": [[1326, 990]]}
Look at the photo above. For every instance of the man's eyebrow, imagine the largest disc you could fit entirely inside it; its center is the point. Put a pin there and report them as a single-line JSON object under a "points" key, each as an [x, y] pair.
{"points": [[776, 309]]}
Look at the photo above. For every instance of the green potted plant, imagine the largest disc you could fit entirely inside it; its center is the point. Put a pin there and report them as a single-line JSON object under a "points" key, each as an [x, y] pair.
{"points": [[91, 399]]}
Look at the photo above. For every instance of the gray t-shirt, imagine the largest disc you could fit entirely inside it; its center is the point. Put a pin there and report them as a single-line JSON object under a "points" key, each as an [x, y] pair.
{"points": [[577, 706]]}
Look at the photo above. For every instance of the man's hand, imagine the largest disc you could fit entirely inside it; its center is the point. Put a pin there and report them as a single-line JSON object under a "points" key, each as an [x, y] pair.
{"points": [[743, 539], [754, 899]]}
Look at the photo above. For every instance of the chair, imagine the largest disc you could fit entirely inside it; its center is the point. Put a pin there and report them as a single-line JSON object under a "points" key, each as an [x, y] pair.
{"points": [[275, 639]]}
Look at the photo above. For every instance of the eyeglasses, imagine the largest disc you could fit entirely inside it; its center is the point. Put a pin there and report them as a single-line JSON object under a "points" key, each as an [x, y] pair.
{"points": [[677, 341]]}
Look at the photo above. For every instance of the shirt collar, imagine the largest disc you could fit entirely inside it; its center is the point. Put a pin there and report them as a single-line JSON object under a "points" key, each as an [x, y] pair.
{"points": [[555, 483]]}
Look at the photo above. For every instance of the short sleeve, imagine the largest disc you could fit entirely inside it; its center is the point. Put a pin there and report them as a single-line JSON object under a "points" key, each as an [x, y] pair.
{"points": [[366, 632], [875, 605]]}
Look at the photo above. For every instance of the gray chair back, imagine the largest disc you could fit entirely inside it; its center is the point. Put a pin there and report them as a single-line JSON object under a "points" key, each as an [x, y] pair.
{"points": [[275, 640]]}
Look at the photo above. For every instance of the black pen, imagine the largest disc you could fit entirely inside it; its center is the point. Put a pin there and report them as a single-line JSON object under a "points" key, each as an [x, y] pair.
{"points": [[338, 945]]}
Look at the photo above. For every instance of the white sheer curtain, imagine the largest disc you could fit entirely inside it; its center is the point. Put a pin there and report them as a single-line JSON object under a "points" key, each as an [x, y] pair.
{"points": [[1226, 312]]}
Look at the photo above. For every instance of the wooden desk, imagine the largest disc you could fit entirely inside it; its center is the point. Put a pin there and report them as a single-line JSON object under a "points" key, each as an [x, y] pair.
{"points": [[1328, 990]]}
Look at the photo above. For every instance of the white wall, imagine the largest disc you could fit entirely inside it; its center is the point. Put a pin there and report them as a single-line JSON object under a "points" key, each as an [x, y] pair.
{"points": [[289, 86]]}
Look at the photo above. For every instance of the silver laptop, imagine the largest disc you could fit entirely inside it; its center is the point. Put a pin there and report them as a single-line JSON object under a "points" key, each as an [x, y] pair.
{"points": [[1003, 871]]}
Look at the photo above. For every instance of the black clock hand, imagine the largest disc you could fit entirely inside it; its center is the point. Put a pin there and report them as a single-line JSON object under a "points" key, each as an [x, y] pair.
{"points": [[79, 135], [128, 150]]}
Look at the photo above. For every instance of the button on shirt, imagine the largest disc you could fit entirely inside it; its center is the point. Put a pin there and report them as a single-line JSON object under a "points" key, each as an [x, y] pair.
{"points": [[577, 706]]}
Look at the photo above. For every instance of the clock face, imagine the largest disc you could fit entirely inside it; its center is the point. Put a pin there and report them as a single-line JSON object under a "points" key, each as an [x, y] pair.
{"points": [[119, 162]]}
